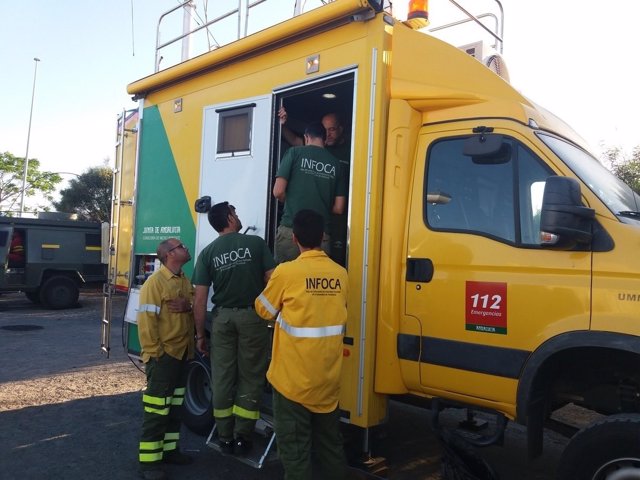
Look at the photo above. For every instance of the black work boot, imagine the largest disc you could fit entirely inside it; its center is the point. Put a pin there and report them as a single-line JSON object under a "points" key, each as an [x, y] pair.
{"points": [[242, 446], [226, 446], [152, 472]]}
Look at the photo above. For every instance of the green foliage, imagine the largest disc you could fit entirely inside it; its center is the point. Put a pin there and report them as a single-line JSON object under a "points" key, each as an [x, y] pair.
{"points": [[89, 195], [41, 184], [624, 167]]}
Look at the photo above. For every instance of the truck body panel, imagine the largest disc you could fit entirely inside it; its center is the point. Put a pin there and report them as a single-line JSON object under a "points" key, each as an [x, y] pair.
{"points": [[124, 180], [616, 286]]}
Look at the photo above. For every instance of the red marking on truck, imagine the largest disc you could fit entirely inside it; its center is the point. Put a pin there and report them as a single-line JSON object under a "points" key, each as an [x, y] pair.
{"points": [[486, 307]]}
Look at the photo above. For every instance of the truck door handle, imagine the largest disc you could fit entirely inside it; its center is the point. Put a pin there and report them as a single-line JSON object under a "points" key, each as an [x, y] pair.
{"points": [[419, 270]]}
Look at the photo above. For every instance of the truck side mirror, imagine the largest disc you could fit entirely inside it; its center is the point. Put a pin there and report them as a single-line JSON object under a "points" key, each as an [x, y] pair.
{"points": [[564, 222]]}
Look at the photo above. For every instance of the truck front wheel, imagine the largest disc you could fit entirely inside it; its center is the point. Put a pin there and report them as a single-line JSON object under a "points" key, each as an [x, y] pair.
{"points": [[605, 450], [197, 413], [59, 292]]}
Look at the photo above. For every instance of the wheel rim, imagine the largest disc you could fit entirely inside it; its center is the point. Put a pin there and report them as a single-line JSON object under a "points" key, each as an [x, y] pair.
{"points": [[62, 294], [197, 398], [59, 292], [619, 469]]}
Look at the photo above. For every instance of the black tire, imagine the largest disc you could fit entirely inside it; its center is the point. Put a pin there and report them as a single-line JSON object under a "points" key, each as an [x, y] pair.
{"points": [[197, 411], [33, 296], [59, 292], [460, 460], [606, 449]]}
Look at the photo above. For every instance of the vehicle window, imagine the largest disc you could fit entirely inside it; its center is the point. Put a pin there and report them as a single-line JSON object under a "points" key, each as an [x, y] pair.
{"points": [[234, 131], [500, 199], [92, 239], [532, 174], [613, 192]]}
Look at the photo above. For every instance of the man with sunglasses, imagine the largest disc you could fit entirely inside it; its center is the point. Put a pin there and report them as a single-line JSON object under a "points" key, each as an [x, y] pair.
{"points": [[166, 331], [238, 267]]}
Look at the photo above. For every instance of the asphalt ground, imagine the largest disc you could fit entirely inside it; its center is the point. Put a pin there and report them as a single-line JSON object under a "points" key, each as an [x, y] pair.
{"points": [[68, 412]]}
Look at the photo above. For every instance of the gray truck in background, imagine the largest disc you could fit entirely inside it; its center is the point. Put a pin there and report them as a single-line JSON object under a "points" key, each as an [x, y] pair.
{"points": [[51, 258]]}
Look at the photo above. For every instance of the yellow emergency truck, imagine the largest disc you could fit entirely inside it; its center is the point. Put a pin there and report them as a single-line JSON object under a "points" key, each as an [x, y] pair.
{"points": [[493, 261]]}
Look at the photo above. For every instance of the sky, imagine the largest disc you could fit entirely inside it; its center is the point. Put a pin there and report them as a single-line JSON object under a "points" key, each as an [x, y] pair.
{"points": [[577, 58]]}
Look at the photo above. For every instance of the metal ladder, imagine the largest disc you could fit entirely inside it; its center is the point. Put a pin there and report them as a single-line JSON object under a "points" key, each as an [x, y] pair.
{"points": [[108, 289], [262, 452]]}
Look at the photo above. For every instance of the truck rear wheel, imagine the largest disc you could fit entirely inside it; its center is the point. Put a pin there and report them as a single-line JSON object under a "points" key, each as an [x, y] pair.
{"points": [[197, 412], [59, 292], [608, 449]]}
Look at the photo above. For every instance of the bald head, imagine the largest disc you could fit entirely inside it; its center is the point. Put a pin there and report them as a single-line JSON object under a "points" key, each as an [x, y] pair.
{"points": [[173, 253], [164, 248], [333, 126]]}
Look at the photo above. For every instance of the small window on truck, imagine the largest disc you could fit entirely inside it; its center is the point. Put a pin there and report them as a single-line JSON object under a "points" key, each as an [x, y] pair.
{"points": [[234, 131]]}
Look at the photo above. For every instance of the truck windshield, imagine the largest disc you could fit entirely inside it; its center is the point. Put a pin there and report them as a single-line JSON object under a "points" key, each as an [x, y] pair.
{"points": [[615, 194]]}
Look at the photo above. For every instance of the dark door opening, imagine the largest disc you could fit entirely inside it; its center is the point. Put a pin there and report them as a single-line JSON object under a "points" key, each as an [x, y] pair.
{"points": [[305, 104]]}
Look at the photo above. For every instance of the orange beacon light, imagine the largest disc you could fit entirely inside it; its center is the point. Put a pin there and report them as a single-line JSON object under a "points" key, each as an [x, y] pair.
{"points": [[418, 16]]}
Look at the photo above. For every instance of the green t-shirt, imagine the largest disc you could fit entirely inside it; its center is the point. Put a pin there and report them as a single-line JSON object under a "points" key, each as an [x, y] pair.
{"points": [[314, 178], [235, 265], [342, 152]]}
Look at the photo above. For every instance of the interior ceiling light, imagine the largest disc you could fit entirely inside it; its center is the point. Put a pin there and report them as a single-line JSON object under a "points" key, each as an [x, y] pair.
{"points": [[329, 95]]}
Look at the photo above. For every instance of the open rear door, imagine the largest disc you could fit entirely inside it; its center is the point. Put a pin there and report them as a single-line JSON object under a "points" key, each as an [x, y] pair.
{"points": [[235, 163]]}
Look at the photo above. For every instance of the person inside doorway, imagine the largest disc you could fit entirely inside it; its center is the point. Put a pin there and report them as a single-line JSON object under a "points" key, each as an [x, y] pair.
{"points": [[308, 177], [337, 144]]}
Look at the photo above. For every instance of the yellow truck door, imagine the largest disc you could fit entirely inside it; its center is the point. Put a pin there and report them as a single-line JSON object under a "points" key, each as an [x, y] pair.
{"points": [[480, 293]]}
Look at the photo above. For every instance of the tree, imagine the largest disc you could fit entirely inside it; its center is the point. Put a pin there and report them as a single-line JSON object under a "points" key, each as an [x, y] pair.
{"points": [[39, 184], [89, 195], [623, 167]]}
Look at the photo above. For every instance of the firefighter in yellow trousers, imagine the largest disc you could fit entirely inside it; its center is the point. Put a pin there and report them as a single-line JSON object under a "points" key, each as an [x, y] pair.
{"points": [[166, 331], [307, 297]]}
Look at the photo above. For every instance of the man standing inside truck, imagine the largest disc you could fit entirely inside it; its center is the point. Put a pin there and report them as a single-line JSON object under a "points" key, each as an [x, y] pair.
{"points": [[165, 328], [238, 266], [309, 177], [336, 141], [308, 298], [338, 145]]}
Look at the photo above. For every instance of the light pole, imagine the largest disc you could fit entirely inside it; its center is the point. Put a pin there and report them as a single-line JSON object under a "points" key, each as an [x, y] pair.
{"points": [[26, 156]]}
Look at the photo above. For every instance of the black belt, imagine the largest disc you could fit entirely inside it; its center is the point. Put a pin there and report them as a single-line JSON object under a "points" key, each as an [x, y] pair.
{"points": [[235, 309]]}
